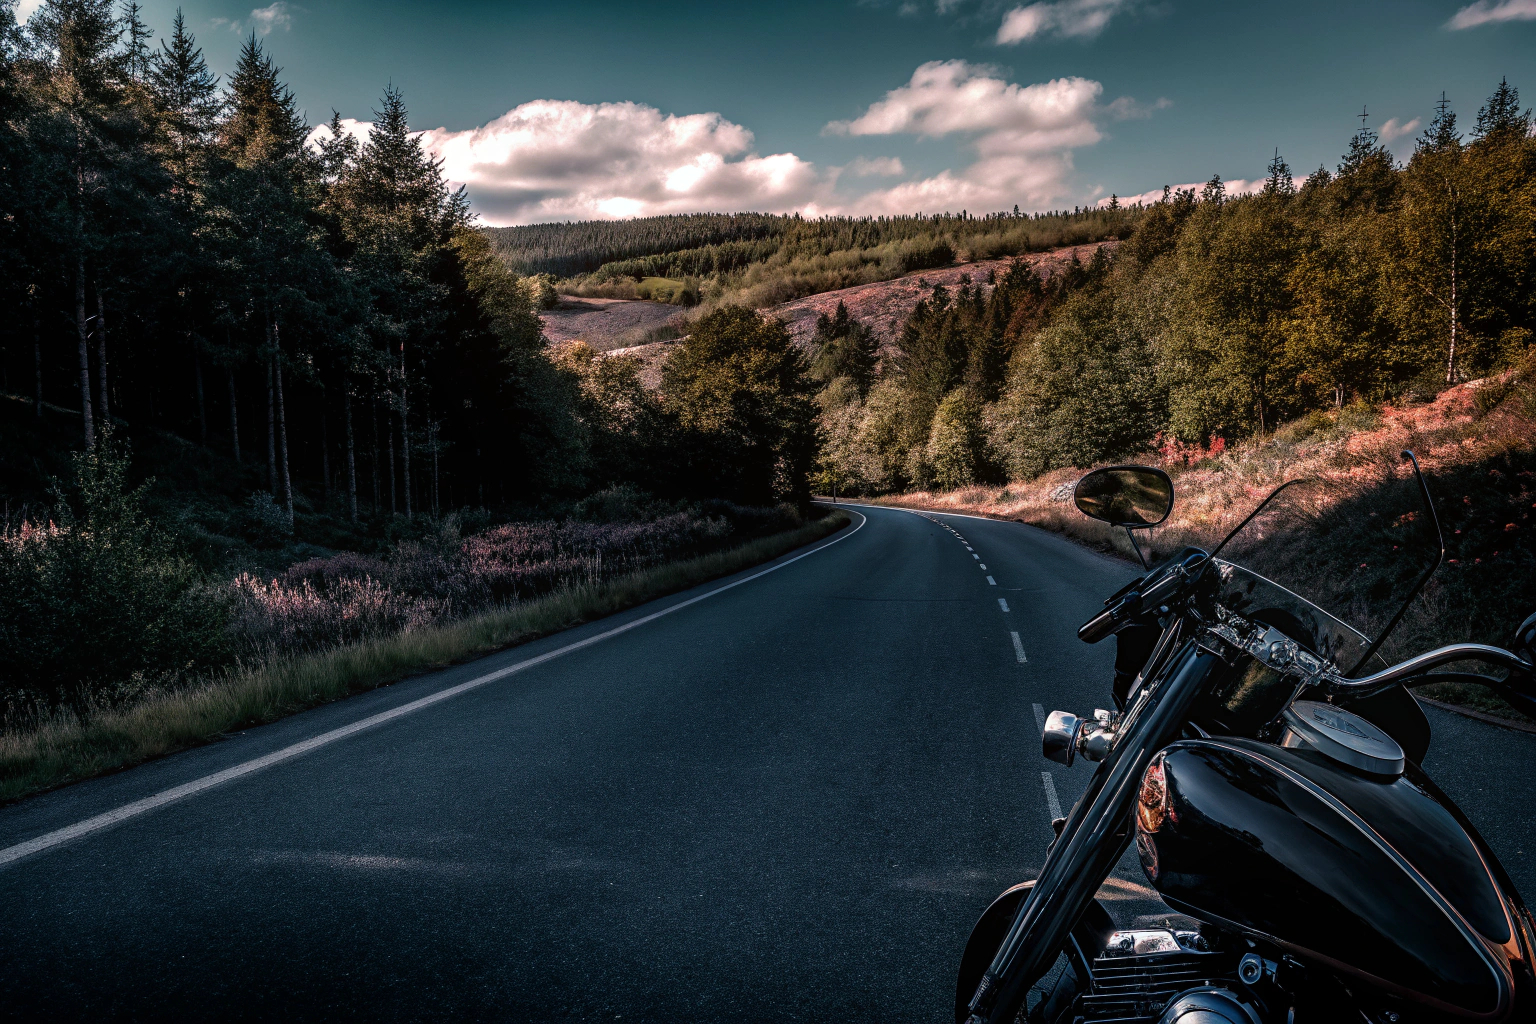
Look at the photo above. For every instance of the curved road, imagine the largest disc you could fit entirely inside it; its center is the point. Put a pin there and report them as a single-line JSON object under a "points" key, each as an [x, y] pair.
{"points": [[787, 798]]}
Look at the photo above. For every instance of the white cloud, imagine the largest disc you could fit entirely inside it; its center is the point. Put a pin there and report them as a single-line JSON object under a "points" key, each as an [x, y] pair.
{"points": [[1023, 137], [359, 130], [1485, 12], [950, 96], [26, 8], [560, 159], [1071, 19], [1395, 129], [274, 16], [1235, 187], [881, 166]]}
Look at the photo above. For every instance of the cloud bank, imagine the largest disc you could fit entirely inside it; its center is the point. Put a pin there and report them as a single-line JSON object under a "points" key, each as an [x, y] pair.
{"points": [[1485, 12], [565, 160], [1023, 137], [1235, 187], [560, 159]]}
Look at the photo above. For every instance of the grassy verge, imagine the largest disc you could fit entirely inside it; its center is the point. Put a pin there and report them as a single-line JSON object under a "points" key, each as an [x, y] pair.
{"points": [[70, 748]]}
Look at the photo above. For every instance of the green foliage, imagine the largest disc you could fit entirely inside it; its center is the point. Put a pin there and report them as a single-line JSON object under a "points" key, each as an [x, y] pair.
{"points": [[741, 390], [843, 348], [1222, 317], [956, 443], [663, 289], [99, 602]]}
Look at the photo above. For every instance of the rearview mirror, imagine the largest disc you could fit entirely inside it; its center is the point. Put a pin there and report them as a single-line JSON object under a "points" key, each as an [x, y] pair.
{"points": [[1129, 496]]}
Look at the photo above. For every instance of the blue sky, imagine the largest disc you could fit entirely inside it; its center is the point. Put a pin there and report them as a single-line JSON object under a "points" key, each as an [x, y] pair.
{"points": [[862, 106]]}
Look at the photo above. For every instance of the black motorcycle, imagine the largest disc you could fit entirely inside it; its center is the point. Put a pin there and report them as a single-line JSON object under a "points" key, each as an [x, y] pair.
{"points": [[1264, 759]]}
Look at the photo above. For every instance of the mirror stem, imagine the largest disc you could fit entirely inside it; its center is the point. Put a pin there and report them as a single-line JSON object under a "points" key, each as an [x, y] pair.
{"points": [[1141, 557]]}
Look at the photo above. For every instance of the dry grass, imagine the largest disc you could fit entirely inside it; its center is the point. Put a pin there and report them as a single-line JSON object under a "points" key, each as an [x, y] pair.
{"points": [[1482, 468], [71, 747]]}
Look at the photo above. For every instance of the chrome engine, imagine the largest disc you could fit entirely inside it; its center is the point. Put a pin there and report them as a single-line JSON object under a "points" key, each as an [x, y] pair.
{"points": [[1159, 976]]}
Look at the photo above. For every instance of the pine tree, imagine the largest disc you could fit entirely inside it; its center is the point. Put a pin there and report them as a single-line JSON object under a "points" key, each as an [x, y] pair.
{"points": [[1501, 118], [1365, 182], [137, 56], [186, 99], [1441, 135], [843, 347], [1215, 191], [1277, 183], [80, 90]]}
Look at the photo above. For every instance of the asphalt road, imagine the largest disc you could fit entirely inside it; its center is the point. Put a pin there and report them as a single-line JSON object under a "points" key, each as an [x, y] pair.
{"points": [[785, 801]]}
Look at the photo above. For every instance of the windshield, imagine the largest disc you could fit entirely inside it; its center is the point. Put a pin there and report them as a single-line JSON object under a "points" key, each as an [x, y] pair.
{"points": [[1355, 550]]}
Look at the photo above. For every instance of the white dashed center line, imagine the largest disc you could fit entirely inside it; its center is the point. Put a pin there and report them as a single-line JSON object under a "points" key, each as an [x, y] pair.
{"points": [[1003, 603], [1040, 718], [983, 566], [990, 580], [1018, 649], [1050, 795], [975, 555]]}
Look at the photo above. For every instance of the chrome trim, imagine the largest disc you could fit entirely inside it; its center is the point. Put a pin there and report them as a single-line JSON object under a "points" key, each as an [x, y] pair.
{"points": [[1209, 1005]]}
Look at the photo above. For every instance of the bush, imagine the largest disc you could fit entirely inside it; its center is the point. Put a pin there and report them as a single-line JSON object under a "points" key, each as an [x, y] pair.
{"points": [[98, 603]]}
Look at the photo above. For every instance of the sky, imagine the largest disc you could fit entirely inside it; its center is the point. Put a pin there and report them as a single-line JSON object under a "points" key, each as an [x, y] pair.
{"points": [[577, 110]]}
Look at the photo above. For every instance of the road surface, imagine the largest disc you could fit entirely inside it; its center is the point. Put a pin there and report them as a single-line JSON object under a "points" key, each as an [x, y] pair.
{"points": [[784, 800]]}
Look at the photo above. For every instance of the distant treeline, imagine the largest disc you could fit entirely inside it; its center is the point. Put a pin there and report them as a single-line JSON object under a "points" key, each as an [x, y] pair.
{"points": [[1221, 317], [760, 259]]}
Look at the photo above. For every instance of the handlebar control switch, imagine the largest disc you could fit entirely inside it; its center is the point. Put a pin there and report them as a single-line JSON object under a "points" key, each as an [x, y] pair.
{"points": [[1066, 736]]}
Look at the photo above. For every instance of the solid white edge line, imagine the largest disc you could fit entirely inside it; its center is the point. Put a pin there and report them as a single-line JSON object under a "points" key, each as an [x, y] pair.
{"points": [[926, 512], [58, 837], [1050, 795], [1018, 650]]}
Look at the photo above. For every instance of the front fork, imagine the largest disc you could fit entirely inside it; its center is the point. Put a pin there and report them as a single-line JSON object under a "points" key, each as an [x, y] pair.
{"points": [[1096, 833]]}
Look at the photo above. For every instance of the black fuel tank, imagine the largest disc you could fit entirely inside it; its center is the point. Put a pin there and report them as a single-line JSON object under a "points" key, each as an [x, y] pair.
{"points": [[1372, 877]]}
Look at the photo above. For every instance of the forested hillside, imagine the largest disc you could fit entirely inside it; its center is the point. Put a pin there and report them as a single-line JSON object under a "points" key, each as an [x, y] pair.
{"points": [[1219, 318], [758, 260], [267, 310]]}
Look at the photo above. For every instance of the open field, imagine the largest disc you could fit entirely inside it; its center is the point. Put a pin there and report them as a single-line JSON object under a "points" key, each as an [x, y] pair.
{"points": [[606, 323], [609, 324]]}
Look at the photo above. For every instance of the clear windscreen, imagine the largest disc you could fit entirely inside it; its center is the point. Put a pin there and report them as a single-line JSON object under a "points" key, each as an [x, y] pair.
{"points": [[1355, 550]]}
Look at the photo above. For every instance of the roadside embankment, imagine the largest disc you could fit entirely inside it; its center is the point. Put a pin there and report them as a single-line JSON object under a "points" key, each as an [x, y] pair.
{"points": [[1477, 445]]}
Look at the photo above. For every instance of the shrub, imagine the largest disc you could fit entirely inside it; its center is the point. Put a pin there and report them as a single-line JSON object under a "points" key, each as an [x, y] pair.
{"points": [[98, 603]]}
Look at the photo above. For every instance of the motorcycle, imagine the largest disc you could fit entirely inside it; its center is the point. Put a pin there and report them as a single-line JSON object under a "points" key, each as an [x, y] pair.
{"points": [[1264, 759]]}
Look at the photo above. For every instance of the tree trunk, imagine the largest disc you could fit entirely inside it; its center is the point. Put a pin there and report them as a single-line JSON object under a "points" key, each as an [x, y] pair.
{"points": [[346, 406], [1450, 360], [282, 429], [389, 436], [432, 434], [202, 408], [373, 421], [37, 370], [271, 427], [101, 356], [325, 453], [85, 353], [234, 413], [405, 437]]}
